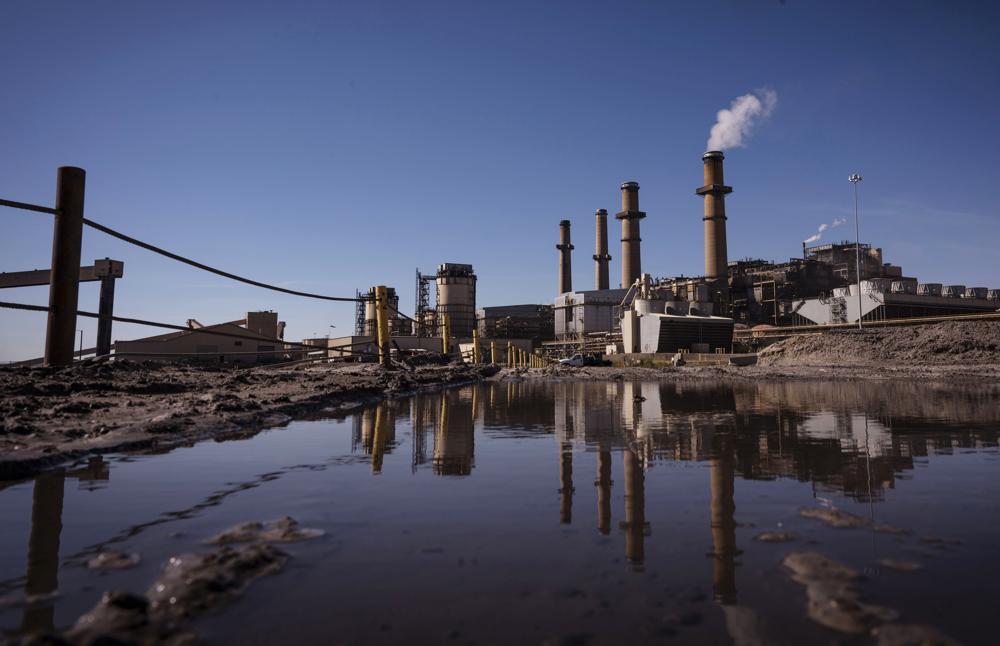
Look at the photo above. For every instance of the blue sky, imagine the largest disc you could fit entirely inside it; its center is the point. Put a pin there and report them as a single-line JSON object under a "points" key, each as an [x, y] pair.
{"points": [[328, 146]]}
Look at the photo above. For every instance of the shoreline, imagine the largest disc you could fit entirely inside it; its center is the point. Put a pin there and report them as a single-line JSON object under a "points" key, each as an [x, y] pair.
{"points": [[55, 416]]}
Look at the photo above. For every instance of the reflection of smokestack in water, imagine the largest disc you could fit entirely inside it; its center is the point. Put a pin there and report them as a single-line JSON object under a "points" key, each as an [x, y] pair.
{"points": [[43, 550], [724, 550], [716, 255], [630, 216], [566, 484], [565, 267], [601, 256], [604, 491], [635, 525]]}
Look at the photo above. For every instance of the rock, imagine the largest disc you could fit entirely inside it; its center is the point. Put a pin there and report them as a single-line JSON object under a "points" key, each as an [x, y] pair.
{"points": [[113, 560], [242, 533], [124, 618]]}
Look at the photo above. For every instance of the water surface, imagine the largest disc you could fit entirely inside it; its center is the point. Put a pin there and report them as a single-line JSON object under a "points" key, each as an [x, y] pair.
{"points": [[589, 512]]}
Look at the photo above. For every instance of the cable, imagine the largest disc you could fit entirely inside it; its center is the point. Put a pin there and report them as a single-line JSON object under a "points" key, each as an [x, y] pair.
{"points": [[182, 328], [219, 272], [27, 207]]}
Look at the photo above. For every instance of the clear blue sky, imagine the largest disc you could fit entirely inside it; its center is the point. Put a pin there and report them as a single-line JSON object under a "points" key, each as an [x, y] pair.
{"points": [[328, 146]]}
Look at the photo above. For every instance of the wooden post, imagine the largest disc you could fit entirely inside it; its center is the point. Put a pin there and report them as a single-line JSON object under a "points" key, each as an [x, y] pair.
{"points": [[493, 351], [105, 310], [510, 354], [382, 323], [64, 285], [475, 346]]}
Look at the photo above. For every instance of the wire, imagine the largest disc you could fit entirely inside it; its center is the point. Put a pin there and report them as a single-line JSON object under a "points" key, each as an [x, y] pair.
{"points": [[183, 328], [27, 207], [219, 272]]}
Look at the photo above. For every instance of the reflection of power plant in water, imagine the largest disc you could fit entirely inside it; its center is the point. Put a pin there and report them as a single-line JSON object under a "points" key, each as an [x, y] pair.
{"points": [[724, 551], [603, 484], [566, 484], [453, 439], [635, 525], [43, 545]]}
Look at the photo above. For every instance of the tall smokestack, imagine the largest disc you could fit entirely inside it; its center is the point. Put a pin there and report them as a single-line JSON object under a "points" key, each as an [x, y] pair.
{"points": [[716, 255], [630, 216], [601, 256], [565, 267]]}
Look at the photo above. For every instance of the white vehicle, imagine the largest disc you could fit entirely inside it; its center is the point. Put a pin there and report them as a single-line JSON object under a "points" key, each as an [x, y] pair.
{"points": [[576, 361]]}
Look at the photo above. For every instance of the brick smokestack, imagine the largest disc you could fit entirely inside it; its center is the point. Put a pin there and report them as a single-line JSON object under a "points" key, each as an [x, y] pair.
{"points": [[630, 216], [565, 266], [601, 256], [716, 255]]}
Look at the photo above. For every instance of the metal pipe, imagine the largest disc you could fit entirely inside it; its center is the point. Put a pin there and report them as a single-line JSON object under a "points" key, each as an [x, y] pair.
{"points": [[64, 287], [854, 179]]}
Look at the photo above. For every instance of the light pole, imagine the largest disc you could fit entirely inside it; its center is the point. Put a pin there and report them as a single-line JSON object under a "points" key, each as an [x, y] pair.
{"points": [[854, 179]]}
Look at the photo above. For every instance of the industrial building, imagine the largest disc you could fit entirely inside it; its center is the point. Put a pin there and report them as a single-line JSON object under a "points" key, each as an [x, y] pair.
{"points": [[529, 321], [252, 341]]}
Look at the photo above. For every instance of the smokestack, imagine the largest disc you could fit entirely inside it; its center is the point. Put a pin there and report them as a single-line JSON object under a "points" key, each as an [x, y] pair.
{"points": [[630, 216], [716, 260], [601, 256], [565, 268]]}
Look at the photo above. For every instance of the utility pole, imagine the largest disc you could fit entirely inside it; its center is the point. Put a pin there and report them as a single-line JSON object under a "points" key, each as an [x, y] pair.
{"points": [[854, 179]]}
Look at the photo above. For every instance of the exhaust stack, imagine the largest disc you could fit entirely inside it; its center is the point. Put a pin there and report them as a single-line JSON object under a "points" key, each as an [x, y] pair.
{"points": [[716, 255], [565, 267], [601, 256], [630, 216]]}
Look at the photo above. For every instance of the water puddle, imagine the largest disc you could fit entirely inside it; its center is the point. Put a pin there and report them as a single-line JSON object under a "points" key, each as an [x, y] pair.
{"points": [[562, 513]]}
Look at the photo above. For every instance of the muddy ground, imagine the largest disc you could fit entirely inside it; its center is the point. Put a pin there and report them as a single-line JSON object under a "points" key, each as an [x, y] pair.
{"points": [[51, 415]]}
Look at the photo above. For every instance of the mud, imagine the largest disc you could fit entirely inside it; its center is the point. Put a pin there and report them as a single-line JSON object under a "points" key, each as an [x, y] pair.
{"points": [[776, 537], [113, 560], [52, 415], [953, 343], [282, 530], [834, 598]]}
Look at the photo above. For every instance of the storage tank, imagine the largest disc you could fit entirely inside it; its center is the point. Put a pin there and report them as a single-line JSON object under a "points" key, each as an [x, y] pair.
{"points": [[954, 291], [975, 292], [993, 294], [371, 324], [456, 297], [903, 287], [929, 289]]}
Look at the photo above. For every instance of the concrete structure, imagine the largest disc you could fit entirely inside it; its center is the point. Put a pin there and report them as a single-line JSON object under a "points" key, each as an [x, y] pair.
{"points": [[398, 326], [630, 215], [456, 297], [589, 312], [716, 254], [601, 256], [365, 347], [255, 343], [565, 258], [657, 322], [516, 322]]}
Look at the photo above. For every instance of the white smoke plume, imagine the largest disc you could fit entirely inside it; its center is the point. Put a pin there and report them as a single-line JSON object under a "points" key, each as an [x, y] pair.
{"points": [[823, 227], [734, 124]]}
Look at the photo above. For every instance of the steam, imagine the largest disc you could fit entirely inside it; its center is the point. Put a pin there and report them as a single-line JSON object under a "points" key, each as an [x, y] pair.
{"points": [[733, 125], [823, 227]]}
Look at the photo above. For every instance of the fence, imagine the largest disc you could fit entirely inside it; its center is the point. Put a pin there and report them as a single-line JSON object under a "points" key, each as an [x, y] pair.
{"points": [[64, 278]]}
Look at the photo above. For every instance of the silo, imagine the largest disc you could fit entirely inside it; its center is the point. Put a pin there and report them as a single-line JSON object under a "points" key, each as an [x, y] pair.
{"points": [[456, 297], [371, 328]]}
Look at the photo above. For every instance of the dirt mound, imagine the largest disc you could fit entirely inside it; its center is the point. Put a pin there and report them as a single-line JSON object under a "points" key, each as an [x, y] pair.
{"points": [[970, 342]]}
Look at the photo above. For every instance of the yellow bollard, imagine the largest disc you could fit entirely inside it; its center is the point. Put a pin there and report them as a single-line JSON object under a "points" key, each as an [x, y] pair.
{"points": [[493, 351], [510, 354], [382, 323], [446, 334], [475, 346]]}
